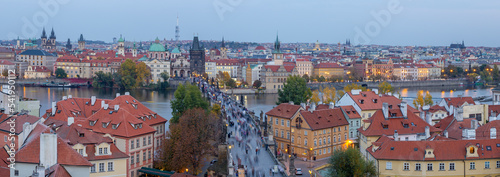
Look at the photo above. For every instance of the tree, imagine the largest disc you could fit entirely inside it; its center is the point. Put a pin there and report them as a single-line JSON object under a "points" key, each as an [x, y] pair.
{"points": [[315, 98], [349, 162], [306, 77], [102, 80], [127, 83], [428, 99], [188, 142], [60, 73], [295, 89], [352, 86], [385, 88], [321, 79], [186, 97], [204, 75], [496, 73], [164, 83], [257, 84], [330, 95], [231, 83], [142, 74], [128, 69], [5, 73], [419, 101]]}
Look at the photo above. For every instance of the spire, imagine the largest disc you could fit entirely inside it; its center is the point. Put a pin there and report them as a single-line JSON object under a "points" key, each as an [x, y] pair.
{"points": [[44, 35], [81, 38], [52, 34], [157, 40], [223, 45], [134, 46], [196, 44], [277, 44]]}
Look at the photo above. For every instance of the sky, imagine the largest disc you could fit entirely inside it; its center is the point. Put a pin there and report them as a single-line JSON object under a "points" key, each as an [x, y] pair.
{"points": [[384, 22]]}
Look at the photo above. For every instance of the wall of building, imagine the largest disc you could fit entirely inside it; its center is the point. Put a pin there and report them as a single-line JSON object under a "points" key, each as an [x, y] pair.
{"points": [[119, 168]]}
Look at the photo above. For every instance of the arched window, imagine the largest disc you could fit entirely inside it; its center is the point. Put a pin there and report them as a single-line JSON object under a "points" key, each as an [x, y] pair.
{"points": [[329, 140], [324, 140], [334, 140], [340, 138], [293, 139]]}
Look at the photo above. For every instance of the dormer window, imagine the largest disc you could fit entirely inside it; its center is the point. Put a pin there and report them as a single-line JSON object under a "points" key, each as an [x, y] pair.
{"points": [[81, 134], [361, 101], [92, 123], [471, 150], [114, 126], [104, 125], [405, 126], [374, 100]]}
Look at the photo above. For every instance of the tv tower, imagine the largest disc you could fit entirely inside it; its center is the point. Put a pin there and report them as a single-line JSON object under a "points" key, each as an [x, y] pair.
{"points": [[177, 30]]}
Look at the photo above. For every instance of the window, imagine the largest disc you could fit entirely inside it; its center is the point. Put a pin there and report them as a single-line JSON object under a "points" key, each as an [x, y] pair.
{"points": [[149, 154], [144, 156], [388, 165], [406, 166], [324, 141], [101, 167], [305, 132], [149, 140], [452, 166], [144, 141], [80, 151], [276, 121], [293, 139], [441, 166], [498, 164], [16, 172], [329, 150], [429, 167], [334, 140], [487, 165], [305, 142], [329, 140], [132, 159], [417, 167], [138, 144], [282, 134], [282, 122], [472, 165], [132, 174], [132, 144], [110, 166], [276, 133], [314, 142], [92, 168], [287, 135], [137, 158], [288, 123]]}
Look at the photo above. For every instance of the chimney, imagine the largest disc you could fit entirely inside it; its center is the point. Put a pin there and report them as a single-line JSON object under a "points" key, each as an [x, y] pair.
{"points": [[331, 105], [385, 110], [48, 149], [422, 115], [459, 116], [425, 108], [117, 107], [54, 104], [375, 90], [127, 93], [26, 131], [493, 133], [71, 120], [290, 102], [445, 133], [427, 132], [473, 124], [428, 119], [312, 107], [40, 171], [404, 109], [117, 94], [70, 96], [65, 97], [451, 110], [396, 135], [303, 106], [92, 100], [106, 106], [355, 91]]}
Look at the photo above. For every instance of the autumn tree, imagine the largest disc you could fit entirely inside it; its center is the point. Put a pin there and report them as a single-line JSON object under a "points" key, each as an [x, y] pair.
{"points": [[385, 88], [294, 89], [186, 97], [5, 73], [315, 98], [127, 68], [142, 74], [428, 99], [330, 95], [419, 101], [306, 77], [353, 86], [190, 141], [496, 73], [164, 82], [349, 162]]}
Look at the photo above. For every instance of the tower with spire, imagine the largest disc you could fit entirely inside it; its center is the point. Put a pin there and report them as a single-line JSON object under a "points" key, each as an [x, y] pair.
{"points": [[121, 46], [44, 37], [277, 55], [197, 57], [177, 35], [81, 43], [52, 40], [68, 45], [223, 50], [134, 51]]}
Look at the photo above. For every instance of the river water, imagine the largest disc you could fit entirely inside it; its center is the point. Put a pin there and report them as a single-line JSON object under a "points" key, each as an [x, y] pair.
{"points": [[160, 101]]}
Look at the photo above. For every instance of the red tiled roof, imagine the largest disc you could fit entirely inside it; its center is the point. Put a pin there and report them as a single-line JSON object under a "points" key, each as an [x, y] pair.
{"points": [[372, 101], [494, 109], [445, 122], [459, 101], [327, 65], [436, 108], [443, 150], [115, 153], [274, 68], [6, 62], [4, 163], [20, 121], [325, 118], [351, 112], [284, 110], [260, 48], [414, 124], [483, 132], [455, 128], [57, 171]]}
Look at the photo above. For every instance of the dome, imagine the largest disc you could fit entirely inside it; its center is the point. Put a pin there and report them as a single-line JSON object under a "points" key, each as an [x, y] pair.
{"points": [[144, 58], [156, 47], [176, 50]]}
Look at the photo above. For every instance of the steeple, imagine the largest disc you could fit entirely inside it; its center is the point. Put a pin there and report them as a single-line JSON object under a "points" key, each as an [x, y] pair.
{"points": [[81, 38], [223, 45], [68, 45], [52, 34], [277, 45], [196, 44], [44, 35]]}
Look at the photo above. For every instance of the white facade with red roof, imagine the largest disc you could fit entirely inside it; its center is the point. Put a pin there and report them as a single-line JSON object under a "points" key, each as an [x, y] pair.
{"points": [[37, 72]]}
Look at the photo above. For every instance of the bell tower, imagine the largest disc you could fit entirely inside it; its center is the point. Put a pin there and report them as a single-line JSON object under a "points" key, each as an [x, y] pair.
{"points": [[277, 55]]}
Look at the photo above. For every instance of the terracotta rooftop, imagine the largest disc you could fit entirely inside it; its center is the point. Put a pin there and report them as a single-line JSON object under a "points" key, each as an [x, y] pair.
{"points": [[483, 132], [458, 101], [284, 110], [4, 126], [436, 108], [324, 118], [351, 112]]}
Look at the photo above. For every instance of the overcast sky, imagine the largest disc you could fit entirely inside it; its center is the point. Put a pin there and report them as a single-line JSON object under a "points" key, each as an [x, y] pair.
{"points": [[412, 22]]}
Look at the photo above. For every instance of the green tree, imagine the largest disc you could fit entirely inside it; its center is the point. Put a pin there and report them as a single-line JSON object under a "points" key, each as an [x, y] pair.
{"points": [[230, 83], [127, 83], [186, 97], [128, 69], [385, 88], [164, 83], [257, 84], [306, 77], [348, 163], [428, 99], [496, 73], [321, 79], [419, 101], [142, 74], [5, 73], [352, 86], [295, 89], [102, 80], [60, 73]]}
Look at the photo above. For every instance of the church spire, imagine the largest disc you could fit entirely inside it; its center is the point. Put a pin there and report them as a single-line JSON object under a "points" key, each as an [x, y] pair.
{"points": [[277, 45], [44, 34], [223, 45], [52, 34]]}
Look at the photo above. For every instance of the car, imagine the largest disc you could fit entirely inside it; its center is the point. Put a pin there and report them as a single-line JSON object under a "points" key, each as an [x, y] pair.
{"points": [[298, 171]]}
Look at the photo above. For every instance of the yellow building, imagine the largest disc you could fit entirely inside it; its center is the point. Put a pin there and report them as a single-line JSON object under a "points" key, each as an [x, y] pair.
{"points": [[470, 109], [74, 67], [309, 133], [436, 158], [328, 70], [273, 76], [304, 66]]}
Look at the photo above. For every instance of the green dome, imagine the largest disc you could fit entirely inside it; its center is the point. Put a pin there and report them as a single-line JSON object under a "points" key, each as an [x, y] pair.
{"points": [[176, 50], [144, 58], [156, 47]]}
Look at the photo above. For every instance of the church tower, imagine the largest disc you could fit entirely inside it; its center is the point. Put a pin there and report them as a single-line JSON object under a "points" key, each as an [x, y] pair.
{"points": [[18, 45], [277, 55], [121, 46], [68, 45], [52, 40], [81, 43], [134, 51], [223, 50], [44, 38]]}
